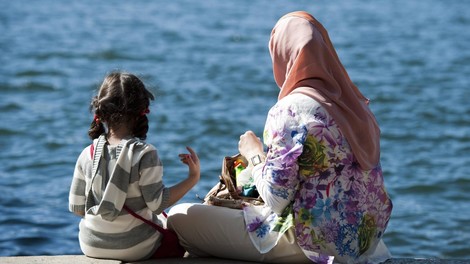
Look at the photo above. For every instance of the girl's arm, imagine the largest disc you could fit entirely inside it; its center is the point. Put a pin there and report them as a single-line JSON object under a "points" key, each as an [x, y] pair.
{"points": [[179, 190], [77, 188], [156, 195]]}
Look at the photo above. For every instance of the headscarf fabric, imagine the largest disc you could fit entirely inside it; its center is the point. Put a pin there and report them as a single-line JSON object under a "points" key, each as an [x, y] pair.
{"points": [[305, 61]]}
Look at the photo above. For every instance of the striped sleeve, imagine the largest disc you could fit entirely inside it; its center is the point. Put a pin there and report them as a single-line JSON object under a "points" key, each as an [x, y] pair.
{"points": [[155, 194], [77, 188]]}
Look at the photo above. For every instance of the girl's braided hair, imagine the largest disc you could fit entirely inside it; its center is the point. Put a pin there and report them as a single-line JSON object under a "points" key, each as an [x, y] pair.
{"points": [[122, 100]]}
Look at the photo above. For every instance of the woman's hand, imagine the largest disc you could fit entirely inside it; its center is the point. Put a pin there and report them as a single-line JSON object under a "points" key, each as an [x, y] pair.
{"points": [[250, 145], [192, 160]]}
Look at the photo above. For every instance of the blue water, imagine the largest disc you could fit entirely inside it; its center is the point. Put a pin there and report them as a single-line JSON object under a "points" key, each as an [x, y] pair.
{"points": [[208, 63]]}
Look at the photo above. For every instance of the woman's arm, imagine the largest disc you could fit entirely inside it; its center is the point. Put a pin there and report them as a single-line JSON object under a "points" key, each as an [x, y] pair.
{"points": [[277, 178]]}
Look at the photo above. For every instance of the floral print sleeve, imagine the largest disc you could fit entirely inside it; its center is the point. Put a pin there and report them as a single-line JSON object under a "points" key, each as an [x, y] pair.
{"points": [[277, 180], [312, 182], [284, 137]]}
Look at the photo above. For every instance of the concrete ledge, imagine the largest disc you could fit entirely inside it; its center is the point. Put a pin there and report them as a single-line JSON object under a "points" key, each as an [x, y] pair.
{"points": [[80, 259]]}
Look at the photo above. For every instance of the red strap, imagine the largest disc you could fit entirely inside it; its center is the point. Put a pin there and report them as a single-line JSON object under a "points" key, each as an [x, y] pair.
{"points": [[92, 150], [152, 224]]}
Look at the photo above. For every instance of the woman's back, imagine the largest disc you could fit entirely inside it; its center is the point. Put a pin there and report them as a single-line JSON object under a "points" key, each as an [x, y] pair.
{"points": [[339, 209]]}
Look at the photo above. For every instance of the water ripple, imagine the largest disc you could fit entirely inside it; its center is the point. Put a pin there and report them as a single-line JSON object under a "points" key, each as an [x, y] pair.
{"points": [[209, 65]]}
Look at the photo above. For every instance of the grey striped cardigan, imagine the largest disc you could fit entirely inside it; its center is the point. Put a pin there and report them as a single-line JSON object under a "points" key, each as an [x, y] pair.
{"points": [[130, 173]]}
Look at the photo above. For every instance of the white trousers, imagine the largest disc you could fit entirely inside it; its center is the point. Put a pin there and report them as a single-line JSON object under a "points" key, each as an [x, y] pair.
{"points": [[206, 230]]}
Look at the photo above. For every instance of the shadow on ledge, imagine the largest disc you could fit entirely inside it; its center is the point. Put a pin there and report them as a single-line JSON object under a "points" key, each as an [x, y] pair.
{"points": [[80, 259]]}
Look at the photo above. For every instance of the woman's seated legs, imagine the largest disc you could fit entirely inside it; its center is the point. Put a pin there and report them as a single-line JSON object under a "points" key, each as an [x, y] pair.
{"points": [[220, 232]]}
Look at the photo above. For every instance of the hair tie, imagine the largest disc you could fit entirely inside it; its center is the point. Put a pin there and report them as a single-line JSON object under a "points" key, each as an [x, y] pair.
{"points": [[96, 119], [146, 111]]}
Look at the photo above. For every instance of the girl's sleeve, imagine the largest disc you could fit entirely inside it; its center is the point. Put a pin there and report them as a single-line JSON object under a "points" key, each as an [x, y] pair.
{"points": [[78, 186], [277, 179], [155, 194]]}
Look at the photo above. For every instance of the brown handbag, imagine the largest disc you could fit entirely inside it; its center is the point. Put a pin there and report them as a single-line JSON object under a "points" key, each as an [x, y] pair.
{"points": [[225, 193]]}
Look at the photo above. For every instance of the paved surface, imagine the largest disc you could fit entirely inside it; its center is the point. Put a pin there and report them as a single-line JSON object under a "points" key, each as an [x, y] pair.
{"points": [[79, 259]]}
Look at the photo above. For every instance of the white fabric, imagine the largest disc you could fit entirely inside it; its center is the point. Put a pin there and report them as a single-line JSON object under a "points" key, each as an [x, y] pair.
{"points": [[206, 230]]}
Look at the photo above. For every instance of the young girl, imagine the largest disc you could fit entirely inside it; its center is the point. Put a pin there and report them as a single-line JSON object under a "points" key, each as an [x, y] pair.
{"points": [[120, 173]]}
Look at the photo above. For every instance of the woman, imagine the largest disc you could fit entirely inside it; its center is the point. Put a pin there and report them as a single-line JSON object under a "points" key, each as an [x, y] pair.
{"points": [[320, 178]]}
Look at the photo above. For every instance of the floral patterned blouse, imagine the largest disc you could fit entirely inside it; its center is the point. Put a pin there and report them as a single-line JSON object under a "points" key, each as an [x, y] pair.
{"points": [[312, 182]]}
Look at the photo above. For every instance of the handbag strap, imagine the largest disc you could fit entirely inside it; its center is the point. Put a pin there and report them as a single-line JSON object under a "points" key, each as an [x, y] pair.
{"points": [[150, 223]]}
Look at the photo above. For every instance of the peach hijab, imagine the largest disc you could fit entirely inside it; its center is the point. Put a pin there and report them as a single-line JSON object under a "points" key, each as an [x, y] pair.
{"points": [[305, 61]]}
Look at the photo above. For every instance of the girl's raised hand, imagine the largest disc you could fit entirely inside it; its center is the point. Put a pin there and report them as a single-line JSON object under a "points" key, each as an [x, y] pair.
{"points": [[192, 160]]}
